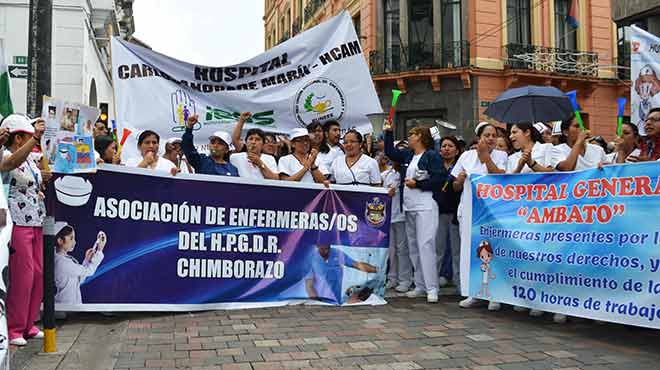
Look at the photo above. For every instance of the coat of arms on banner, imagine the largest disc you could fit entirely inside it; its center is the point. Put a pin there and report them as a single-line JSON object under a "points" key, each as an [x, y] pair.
{"points": [[374, 212], [319, 100]]}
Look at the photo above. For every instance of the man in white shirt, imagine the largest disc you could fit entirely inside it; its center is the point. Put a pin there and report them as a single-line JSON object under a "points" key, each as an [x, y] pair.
{"points": [[332, 149], [253, 164]]}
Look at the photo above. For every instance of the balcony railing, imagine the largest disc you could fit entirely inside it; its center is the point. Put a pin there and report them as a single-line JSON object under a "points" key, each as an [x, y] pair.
{"points": [[623, 61], [418, 57], [551, 60], [285, 36], [312, 7], [296, 27]]}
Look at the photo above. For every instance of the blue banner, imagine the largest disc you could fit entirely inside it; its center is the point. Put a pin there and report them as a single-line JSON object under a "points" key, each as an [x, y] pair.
{"points": [[583, 243], [128, 239]]}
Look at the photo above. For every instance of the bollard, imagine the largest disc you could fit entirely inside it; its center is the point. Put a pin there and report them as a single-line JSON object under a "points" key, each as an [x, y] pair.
{"points": [[50, 337]]}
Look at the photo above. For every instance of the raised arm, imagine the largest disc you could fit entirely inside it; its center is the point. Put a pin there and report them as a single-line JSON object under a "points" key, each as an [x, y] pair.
{"points": [[236, 133], [15, 159], [390, 151], [187, 145]]}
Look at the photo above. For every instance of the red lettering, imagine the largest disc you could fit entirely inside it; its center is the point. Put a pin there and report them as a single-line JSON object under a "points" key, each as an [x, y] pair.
{"points": [[626, 186], [575, 216], [482, 191], [580, 189], [643, 186], [604, 214]]}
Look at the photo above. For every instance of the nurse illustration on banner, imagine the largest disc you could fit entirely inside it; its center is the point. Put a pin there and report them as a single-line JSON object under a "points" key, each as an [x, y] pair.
{"points": [[485, 253], [69, 273]]}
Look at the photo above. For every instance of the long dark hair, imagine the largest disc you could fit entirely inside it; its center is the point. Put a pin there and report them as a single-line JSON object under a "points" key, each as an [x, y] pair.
{"points": [[534, 134], [323, 147]]}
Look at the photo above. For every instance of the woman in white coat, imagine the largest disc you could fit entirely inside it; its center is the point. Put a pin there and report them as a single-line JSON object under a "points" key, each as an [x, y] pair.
{"points": [[483, 160], [69, 274]]}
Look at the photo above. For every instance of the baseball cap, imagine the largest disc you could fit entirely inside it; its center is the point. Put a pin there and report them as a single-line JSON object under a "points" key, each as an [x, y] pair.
{"points": [[298, 133], [173, 140], [224, 136], [18, 123]]}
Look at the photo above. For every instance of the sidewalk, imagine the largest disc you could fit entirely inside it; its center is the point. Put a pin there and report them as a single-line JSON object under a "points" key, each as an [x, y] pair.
{"points": [[403, 335]]}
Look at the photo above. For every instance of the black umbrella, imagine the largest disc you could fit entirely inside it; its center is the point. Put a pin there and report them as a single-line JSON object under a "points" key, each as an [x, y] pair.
{"points": [[530, 104]]}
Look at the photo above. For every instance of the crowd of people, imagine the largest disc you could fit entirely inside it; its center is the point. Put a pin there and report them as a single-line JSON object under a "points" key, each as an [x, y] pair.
{"points": [[425, 175]]}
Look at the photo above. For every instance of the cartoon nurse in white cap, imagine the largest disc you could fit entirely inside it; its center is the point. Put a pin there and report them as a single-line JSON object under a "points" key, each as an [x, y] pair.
{"points": [[69, 274]]}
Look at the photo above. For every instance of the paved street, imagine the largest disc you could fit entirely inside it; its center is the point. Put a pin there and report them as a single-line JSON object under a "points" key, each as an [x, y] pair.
{"points": [[403, 335]]}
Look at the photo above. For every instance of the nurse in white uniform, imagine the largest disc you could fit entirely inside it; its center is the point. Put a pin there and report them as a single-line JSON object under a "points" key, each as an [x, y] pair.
{"points": [[354, 167], [148, 143], [573, 155], [69, 273], [483, 160], [303, 164], [532, 155], [626, 150], [576, 154]]}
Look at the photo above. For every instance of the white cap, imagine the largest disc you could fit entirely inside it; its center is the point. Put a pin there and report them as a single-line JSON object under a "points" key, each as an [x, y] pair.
{"points": [[298, 132], [18, 123], [59, 225], [480, 125], [540, 127], [556, 128], [173, 140], [224, 136]]}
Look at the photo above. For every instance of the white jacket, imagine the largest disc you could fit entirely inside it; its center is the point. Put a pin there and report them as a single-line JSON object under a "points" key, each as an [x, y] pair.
{"points": [[69, 274]]}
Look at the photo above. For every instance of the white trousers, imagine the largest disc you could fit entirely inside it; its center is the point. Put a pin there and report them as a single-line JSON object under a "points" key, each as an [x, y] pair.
{"points": [[448, 233], [400, 267], [421, 228]]}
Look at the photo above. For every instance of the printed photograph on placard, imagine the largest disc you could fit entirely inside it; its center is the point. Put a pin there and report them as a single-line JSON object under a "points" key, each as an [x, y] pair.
{"points": [[69, 118]]}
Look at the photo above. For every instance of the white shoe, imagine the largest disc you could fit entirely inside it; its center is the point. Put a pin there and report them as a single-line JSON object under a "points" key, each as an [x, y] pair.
{"points": [[519, 309], [401, 288], [391, 284], [432, 297], [559, 318], [416, 293], [494, 306], [39, 335], [536, 313], [20, 342], [442, 282], [470, 302]]}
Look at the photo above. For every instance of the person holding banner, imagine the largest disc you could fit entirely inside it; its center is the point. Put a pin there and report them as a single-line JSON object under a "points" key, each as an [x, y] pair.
{"points": [[532, 155], [483, 160], [423, 178], [625, 147], [354, 167], [106, 148], [576, 153], [27, 210], [651, 144], [148, 143], [69, 274], [302, 165], [216, 163], [254, 164]]}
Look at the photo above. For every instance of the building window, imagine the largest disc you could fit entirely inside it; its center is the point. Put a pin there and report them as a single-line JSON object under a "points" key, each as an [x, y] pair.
{"points": [[565, 34], [420, 33], [452, 49], [357, 24], [392, 37], [519, 22], [623, 47]]}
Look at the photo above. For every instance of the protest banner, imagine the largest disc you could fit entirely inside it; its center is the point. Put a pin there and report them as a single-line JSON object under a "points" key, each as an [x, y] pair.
{"points": [[644, 73], [129, 239], [580, 243], [318, 75], [68, 140]]}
